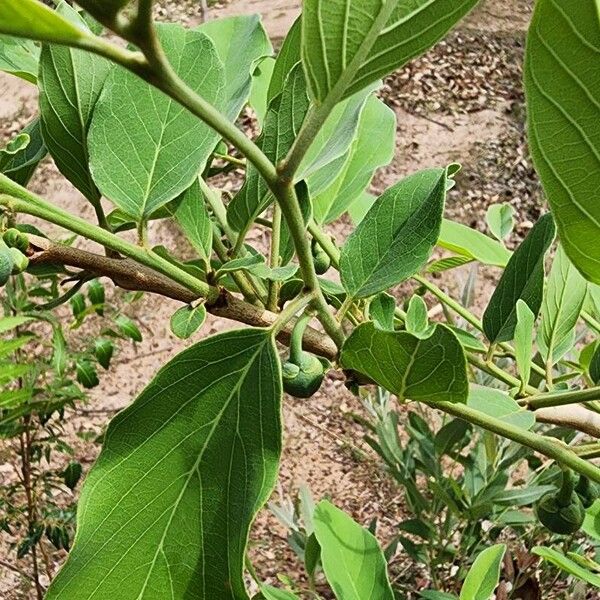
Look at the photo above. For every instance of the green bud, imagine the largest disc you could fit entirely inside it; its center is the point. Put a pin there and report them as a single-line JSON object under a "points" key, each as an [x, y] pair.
{"points": [[562, 511], [588, 491], [321, 259], [6, 263], [302, 379], [20, 261], [16, 239]]}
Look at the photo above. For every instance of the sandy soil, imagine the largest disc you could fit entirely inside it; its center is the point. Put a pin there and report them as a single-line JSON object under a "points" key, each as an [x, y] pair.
{"points": [[323, 447]]}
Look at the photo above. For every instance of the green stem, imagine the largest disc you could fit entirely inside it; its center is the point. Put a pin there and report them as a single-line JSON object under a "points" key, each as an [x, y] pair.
{"points": [[274, 286], [553, 399], [325, 242], [546, 446], [290, 311], [297, 337], [590, 321], [21, 200], [240, 278], [213, 198], [286, 197]]}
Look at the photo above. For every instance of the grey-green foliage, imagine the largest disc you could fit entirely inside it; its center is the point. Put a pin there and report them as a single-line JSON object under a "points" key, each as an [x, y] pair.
{"points": [[284, 118], [70, 83], [19, 57], [352, 559], [432, 369], [397, 236], [240, 42], [21, 165], [336, 187], [522, 279], [563, 98], [348, 44], [187, 320], [180, 478], [191, 214], [564, 296], [145, 148]]}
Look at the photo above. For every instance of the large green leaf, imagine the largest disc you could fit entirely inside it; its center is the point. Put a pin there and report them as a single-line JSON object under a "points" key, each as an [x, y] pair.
{"points": [[433, 369], [21, 165], [284, 118], [563, 300], [567, 565], [484, 575], [348, 44], [562, 81], [523, 279], [500, 405], [353, 562], [473, 244], [397, 236], [524, 341], [70, 83], [337, 187], [165, 512], [32, 19], [19, 57], [240, 42], [146, 149], [191, 214]]}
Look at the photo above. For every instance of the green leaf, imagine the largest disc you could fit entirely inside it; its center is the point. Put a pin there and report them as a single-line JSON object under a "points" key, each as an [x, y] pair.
{"points": [[434, 595], [396, 237], [10, 323], [103, 351], [591, 523], [567, 565], [522, 496], [595, 366], [563, 96], [500, 405], [240, 42], [191, 214], [261, 79], [145, 149], [273, 593], [522, 279], [524, 341], [70, 83], [565, 294], [448, 263], [472, 244], [20, 166], [337, 187], [348, 44], [72, 474], [417, 320], [128, 328], [284, 118], [86, 374], [431, 370], [381, 311], [187, 320], [289, 56], [484, 575], [500, 220], [59, 351], [181, 476], [32, 19], [352, 559], [19, 57]]}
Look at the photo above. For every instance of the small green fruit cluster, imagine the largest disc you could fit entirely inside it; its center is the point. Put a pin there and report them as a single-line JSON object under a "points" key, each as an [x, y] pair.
{"points": [[13, 261], [563, 511]]}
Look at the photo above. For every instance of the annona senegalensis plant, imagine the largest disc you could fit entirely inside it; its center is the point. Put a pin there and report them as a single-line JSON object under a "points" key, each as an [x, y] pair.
{"points": [[145, 126]]}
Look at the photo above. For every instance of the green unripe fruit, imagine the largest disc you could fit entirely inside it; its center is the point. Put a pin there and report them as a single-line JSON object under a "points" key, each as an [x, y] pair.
{"points": [[302, 373], [303, 378], [20, 261], [16, 239], [321, 259], [588, 491], [561, 512], [6, 263]]}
